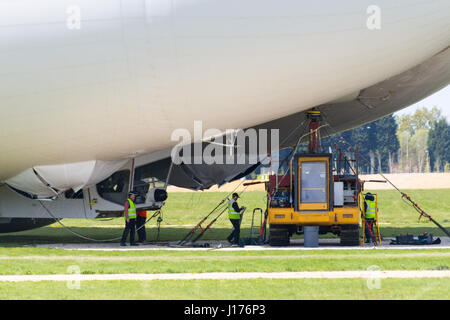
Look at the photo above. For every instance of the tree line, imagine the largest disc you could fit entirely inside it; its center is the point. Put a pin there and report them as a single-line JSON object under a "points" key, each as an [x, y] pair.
{"points": [[418, 142]]}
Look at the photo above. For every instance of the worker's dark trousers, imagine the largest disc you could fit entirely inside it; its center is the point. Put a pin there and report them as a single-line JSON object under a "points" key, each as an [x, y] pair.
{"points": [[140, 226], [235, 233], [370, 235], [130, 227]]}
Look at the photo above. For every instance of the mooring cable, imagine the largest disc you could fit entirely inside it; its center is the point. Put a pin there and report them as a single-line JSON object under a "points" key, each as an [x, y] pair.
{"points": [[58, 220], [157, 213]]}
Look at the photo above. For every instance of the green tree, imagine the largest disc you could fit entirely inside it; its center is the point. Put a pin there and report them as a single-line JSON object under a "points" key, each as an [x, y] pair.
{"points": [[413, 136], [387, 144], [376, 140], [403, 156], [439, 144], [422, 118], [418, 149]]}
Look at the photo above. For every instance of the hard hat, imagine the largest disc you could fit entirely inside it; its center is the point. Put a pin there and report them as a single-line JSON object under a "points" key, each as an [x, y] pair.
{"points": [[236, 195]]}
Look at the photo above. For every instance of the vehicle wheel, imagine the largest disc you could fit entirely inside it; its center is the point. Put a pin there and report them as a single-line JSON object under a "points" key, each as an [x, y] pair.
{"points": [[350, 235]]}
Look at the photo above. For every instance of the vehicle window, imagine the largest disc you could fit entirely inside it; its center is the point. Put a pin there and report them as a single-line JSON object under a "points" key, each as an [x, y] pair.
{"points": [[313, 182], [115, 188]]}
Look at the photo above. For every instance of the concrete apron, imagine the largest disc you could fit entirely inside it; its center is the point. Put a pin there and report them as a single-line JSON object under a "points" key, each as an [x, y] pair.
{"points": [[297, 244]]}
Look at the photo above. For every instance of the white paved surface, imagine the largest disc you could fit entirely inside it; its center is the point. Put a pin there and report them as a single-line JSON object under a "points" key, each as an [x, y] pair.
{"points": [[234, 275], [324, 244]]}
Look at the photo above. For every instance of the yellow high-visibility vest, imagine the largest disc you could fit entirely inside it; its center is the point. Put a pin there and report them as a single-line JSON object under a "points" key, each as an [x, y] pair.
{"points": [[131, 209], [371, 208], [232, 214]]}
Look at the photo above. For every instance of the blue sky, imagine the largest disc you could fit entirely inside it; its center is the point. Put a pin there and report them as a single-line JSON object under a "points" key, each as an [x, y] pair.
{"points": [[440, 99]]}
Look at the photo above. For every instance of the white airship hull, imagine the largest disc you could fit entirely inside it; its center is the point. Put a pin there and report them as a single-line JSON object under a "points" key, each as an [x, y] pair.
{"points": [[137, 70]]}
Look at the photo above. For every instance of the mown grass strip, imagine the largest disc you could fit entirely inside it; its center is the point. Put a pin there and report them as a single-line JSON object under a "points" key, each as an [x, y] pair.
{"points": [[258, 289], [221, 257], [185, 263]]}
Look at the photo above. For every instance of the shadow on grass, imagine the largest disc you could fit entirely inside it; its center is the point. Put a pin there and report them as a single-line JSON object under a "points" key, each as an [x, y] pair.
{"points": [[48, 235]]}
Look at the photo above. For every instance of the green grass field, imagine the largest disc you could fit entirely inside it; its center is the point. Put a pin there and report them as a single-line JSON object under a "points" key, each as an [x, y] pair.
{"points": [[310, 289], [182, 211], [53, 261]]}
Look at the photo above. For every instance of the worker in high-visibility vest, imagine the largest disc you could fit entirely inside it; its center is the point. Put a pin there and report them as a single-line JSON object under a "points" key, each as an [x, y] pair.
{"points": [[141, 217], [130, 220], [235, 216], [369, 217]]}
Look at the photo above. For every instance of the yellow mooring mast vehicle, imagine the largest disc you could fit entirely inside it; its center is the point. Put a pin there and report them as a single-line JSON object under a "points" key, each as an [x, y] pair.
{"points": [[317, 189]]}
